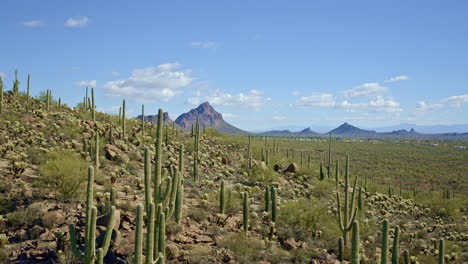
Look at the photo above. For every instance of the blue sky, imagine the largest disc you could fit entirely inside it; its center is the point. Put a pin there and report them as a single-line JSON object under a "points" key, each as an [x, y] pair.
{"points": [[262, 64]]}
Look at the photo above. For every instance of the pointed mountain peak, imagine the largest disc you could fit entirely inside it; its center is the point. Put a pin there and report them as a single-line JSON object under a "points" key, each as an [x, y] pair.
{"points": [[208, 117]]}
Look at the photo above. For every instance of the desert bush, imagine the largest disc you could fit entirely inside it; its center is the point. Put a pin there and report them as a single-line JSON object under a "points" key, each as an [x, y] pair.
{"points": [[24, 217], [65, 171], [303, 218], [246, 249]]}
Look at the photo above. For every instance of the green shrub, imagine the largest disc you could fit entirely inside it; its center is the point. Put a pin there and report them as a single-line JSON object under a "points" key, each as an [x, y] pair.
{"points": [[24, 217], [65, 171], [246, 249], [303, 218]]}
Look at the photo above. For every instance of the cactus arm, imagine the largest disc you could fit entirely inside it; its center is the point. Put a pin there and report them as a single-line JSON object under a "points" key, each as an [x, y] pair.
{"points": [[340, 219], [384, 254], [175, 185], [350, 224], [109, 229], [168, 189], [73, 244], [100, 256]]}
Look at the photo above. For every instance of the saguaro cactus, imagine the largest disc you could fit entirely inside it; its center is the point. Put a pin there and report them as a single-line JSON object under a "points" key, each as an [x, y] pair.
{"points": [[28, 99], [222, 202], [267, 199], [395, 249], [93, 106], [406, 257], [96, 152], [249, 152], [345, 223], [274, 204], [245, 212], [142, 120], [340, 249], [195, 151], [384, 254], [138, 259], [1, 94], [147, 180], [329, 166], [355, 244], [16, 84], [441, 252], [124, 122], [158, 156], [91, 255]]}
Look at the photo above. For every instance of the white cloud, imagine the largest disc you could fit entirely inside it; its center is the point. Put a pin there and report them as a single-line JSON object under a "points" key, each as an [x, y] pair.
{"points": [[79, 21], [317, 99], [115, 73], [295, 93], [423, 107], [206, 44], [457, 100], [33, 23], [86, 83], [365, 90], [379, 104], [351, 107], [253, 99], [279, 118], [397, 78], [160, 83]]}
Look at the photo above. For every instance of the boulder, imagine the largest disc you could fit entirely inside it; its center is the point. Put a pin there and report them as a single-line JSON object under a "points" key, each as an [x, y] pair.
{"points": [[292, 168], [277, 167]]}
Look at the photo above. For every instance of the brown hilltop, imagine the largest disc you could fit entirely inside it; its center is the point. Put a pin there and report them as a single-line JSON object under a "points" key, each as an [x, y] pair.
{"points": [[208, 117]]}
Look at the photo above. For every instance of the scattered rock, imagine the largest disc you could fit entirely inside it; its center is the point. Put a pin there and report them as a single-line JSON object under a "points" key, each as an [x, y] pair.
{"points": [[290, 244], [292, 168], [277, 167]]}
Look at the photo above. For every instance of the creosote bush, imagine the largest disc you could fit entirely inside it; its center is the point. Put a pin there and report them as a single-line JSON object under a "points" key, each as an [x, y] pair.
{"points": [[306, 218], [65, 171]]}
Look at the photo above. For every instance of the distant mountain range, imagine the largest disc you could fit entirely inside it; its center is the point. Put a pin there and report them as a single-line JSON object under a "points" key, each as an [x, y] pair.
{"points": [[209, 117]]}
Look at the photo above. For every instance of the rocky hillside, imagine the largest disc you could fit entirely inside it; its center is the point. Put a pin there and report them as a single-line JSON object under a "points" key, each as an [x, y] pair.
{"points": [[208, 117], [246, 207]]}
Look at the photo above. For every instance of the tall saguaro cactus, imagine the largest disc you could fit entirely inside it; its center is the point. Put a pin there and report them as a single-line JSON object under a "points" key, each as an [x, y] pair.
{"points": [[329, 165], [245, 212], [28, 99], [196, 150], [274, 204], [142, 120], [395, 249], [93, 105], [16, 84], [222, 201], [124, 123], [1, 94], [96, 153], [90, 254], [441, 252], [384, 254], [349, 212], [355, 244]]}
